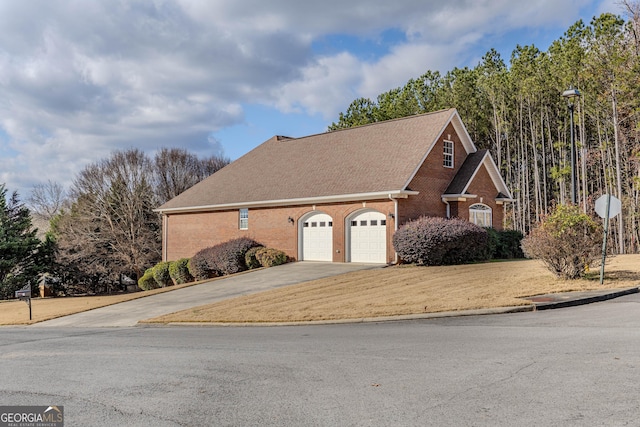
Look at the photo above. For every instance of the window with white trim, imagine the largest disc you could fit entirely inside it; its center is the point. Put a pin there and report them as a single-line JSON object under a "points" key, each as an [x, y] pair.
{"points": [[480, 214], [244, 219], [447, 161]]}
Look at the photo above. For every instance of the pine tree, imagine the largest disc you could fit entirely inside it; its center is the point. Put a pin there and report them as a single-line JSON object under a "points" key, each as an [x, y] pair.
{"points": [[20, 249]]}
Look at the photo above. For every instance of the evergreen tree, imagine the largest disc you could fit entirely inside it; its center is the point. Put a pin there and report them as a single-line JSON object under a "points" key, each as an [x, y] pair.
{"points": [[21, 252]]}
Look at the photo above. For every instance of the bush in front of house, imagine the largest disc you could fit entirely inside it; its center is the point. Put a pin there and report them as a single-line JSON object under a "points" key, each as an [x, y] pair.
{"points": [[179, 271], [229, 257], [504, 244], [567, 241], [441, 241], [161, 274], [269, 257], [250, 258], [147, 281], [509, 245], [219, 260], [200, 266]]}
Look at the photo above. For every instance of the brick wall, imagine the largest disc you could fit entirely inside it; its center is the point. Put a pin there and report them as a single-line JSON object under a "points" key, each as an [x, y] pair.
{"points": [[483, 187], [431, 180], [185, 234]]}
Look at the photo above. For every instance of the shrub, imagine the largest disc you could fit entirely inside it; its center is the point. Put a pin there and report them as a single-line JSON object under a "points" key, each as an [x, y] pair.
{"points": [[493, 241], [567, 241], [440, 241], [147, 281], [224, 258], [250, 258], [504, 244], [269, 257], [200, 266], [229, 257], [179, 271], [161, 274], [509, 245]]}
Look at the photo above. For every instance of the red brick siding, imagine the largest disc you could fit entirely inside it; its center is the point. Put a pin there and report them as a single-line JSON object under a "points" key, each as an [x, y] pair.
{"points": [[185, 234], [431, 180], [483, 187]]}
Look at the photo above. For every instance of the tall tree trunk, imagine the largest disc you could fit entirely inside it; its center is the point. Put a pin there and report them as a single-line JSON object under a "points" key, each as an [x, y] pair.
{"points": [[616, 137]]}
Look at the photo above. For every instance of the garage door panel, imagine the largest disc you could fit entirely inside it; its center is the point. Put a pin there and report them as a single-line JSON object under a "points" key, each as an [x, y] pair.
{"points": [[317, 238], [368, 237]]}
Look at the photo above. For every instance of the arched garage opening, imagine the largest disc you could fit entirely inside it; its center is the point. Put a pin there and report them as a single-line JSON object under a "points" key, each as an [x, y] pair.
{"points": [[367, 236], [316, 234]]}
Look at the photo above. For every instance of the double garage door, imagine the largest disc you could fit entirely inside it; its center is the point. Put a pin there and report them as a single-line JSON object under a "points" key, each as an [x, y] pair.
{"points": [[366, 238]]}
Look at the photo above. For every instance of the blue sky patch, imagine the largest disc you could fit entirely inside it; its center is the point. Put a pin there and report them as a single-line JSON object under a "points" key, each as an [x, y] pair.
{"points": [[262, 123], [369, 49]]}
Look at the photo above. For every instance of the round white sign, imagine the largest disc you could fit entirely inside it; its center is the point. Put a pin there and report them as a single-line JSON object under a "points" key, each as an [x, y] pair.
{"points": [[615, 206]]}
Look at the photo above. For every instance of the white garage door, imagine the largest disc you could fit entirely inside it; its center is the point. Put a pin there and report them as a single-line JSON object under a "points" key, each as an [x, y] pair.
{"points": [[317, 238], [369, 237]]}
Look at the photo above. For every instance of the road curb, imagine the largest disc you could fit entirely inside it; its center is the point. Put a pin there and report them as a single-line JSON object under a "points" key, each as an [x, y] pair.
{"points": [[381, 319], [588, 299], [571, 301]]}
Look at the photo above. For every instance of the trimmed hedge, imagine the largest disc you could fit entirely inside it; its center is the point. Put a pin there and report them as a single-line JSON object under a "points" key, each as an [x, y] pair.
{"points": [[200, 267], [504, 244], [509, 245], [222, 259], [179, 271], [161, 274], [269, 257], [147, 281], [441, 241], [250, 258]]}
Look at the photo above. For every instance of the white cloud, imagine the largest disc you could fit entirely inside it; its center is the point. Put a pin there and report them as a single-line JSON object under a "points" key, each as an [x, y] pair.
{"points": [[80, 78]]}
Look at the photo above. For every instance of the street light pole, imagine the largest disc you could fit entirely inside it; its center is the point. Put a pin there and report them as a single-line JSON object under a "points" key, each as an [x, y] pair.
{"points": [[570, 94], [573, 157]]}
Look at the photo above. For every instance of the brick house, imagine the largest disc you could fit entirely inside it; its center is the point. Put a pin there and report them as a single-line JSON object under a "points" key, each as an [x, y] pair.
{"points": [[339, 196]]}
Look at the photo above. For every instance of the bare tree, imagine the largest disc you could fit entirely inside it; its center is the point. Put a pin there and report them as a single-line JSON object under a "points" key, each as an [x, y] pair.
{"points": [[211, 165], [176, 170], [46, 200], [112, 229]]}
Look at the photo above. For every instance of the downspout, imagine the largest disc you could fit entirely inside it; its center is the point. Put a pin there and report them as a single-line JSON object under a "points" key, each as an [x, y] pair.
{"points": [[448, 207], [395, 224], [165, 223]]}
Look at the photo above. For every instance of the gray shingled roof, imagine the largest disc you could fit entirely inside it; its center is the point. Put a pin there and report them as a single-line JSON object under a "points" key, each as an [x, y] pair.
{"points": [[466, 172], [380, 157]]}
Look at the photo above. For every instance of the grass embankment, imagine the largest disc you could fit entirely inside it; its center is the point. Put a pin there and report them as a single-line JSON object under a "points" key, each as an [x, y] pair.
{"points": [[370, 293], [407, 290]]}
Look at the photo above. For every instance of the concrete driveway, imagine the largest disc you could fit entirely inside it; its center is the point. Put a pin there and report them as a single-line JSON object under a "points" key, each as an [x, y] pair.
{"points": [[130, 312]]}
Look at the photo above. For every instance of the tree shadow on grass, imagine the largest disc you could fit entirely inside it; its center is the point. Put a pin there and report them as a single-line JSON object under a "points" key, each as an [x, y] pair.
{"points": [[616, 275]]}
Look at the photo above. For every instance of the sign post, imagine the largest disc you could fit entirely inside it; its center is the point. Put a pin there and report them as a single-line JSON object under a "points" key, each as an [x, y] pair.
{"points": [[24, 294], [607, 206]]}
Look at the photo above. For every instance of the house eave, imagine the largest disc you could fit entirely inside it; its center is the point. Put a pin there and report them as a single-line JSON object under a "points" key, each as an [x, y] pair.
{"points": [[501, 201], [395, 194], [458, 197]]}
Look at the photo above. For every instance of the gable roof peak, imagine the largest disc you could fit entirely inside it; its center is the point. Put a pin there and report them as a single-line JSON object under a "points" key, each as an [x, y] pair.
{"points": [[397, 119], [379, 158]]}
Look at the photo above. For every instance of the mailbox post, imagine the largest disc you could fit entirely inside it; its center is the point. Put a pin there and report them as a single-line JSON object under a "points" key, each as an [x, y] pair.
{"points": [[24, 294]]}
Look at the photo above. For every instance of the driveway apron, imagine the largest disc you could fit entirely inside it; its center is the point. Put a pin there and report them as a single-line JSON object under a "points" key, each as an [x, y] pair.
{"points": [[130, 312]]}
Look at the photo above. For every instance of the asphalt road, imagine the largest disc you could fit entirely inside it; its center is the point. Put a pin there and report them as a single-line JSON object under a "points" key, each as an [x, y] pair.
{"points": [[568, 367]]}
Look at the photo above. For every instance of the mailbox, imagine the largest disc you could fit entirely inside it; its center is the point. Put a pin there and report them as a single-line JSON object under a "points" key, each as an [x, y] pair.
{"points": [[23, 293]]}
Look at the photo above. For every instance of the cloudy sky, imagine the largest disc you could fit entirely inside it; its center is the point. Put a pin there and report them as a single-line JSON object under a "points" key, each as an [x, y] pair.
{"points": [[82, 78]]}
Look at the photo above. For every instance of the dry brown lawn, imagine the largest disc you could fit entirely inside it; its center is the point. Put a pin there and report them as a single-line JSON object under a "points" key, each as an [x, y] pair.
{"points": [[370, 293], [403, 290], [16, 312]]}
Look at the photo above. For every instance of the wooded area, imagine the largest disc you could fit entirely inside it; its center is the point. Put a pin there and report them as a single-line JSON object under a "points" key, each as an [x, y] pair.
{"points": [[518, 112]]}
